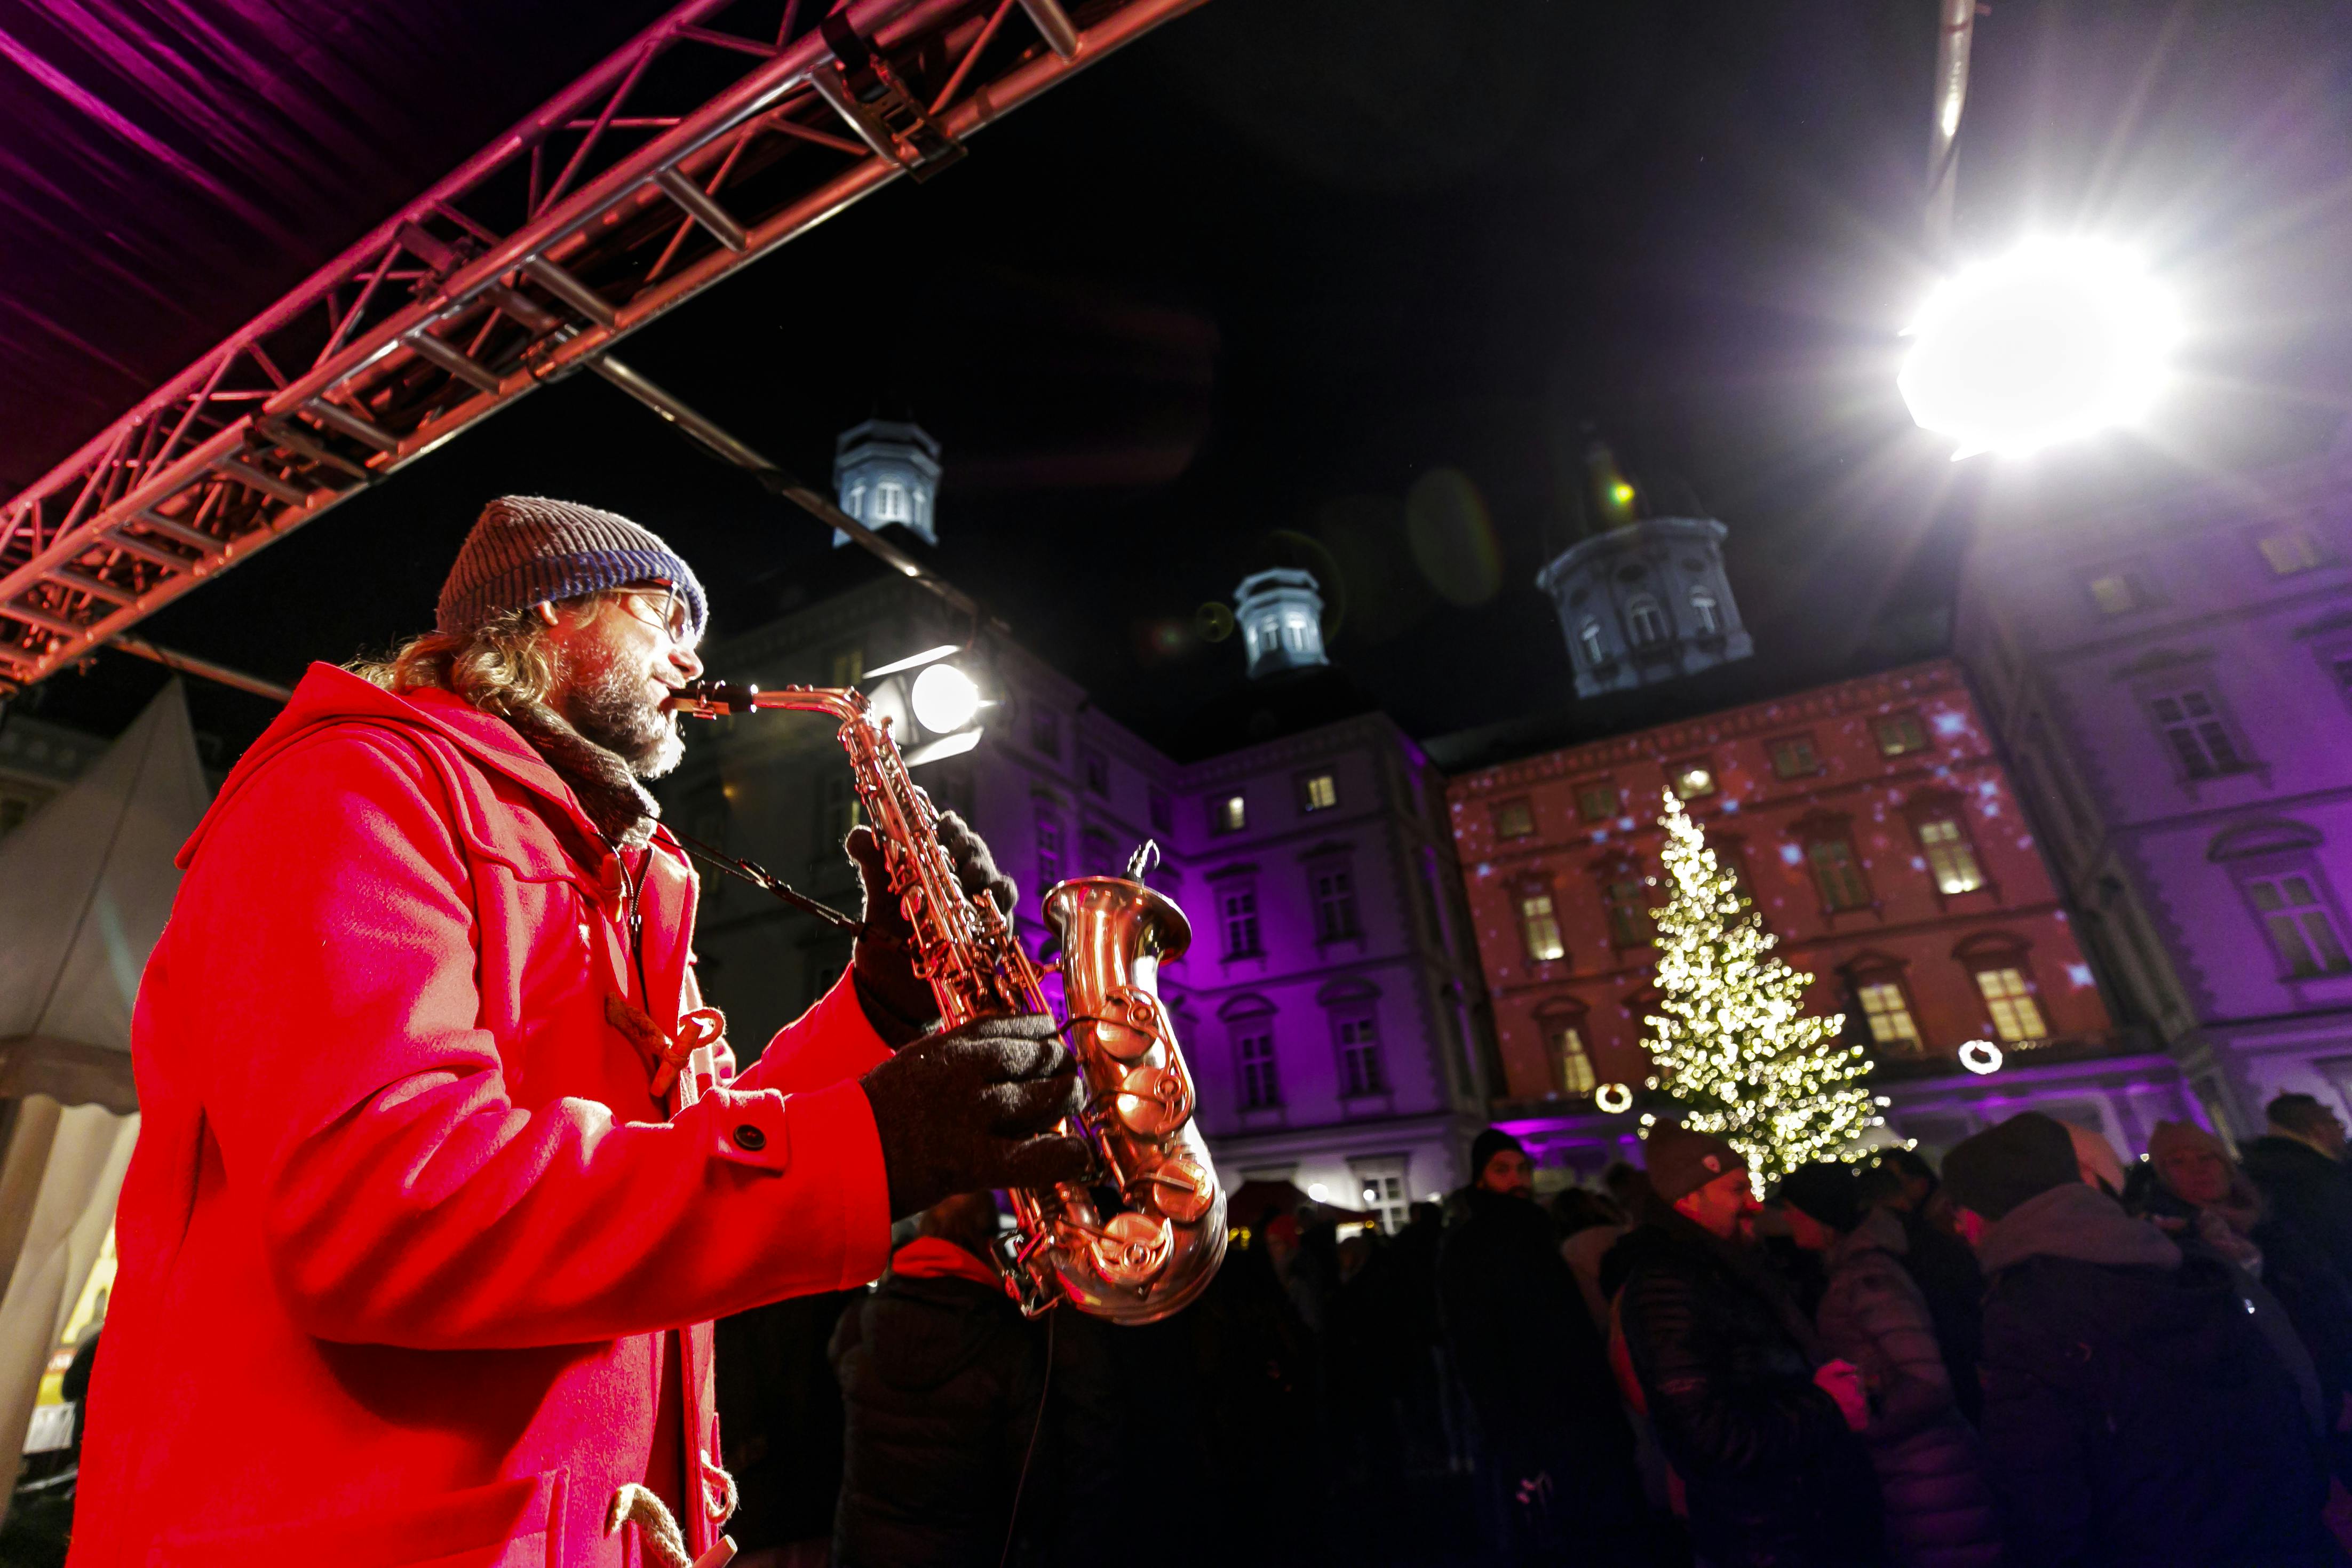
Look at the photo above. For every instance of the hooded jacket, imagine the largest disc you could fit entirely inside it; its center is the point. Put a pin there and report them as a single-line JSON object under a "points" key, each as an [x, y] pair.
{"points": [[1939, 1513], [2135, 1415], [405, 1236]]}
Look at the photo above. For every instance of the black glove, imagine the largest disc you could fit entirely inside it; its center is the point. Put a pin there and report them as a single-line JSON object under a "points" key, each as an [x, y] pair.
{"points": [[968, 1110], [898, 1002]]}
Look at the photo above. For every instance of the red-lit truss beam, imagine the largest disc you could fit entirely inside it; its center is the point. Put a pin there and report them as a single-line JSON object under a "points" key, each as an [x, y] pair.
{"points": [[633, 190]]}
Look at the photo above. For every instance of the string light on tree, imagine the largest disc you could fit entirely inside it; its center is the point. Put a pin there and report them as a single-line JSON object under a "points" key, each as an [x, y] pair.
{"points": [[1736, 1054]]}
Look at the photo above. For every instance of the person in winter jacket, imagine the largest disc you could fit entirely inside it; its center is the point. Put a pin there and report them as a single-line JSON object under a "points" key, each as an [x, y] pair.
{"points": [[1939, 1513], [2298, 1166], [945, 1382], [2135, 1412], [1757, 1421], [444, 1169], [1535, 1369], [1945, 1267]]}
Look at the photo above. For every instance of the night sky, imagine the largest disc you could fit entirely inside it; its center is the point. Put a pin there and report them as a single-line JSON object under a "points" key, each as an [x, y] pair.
{"points": [[1340, 280]]}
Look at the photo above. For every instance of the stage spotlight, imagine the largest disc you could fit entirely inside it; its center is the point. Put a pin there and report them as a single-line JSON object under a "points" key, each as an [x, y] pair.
{"points": [[2054, 342], [944, 698]]}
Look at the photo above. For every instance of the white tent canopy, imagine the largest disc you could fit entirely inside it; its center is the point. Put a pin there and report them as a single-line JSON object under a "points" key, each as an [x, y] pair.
{"points": [[85, 888]]}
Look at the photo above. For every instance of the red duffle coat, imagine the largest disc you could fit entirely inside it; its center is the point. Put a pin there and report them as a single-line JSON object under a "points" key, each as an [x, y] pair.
{"points": [[405, 1230]]}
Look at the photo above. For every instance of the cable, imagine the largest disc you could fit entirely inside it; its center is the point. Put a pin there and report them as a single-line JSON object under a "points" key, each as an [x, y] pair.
{"points": [[1044, 1387]]}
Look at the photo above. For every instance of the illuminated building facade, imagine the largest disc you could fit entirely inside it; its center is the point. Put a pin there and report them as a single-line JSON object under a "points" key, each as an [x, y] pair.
{"points": [[2174, 681], [1872, 824]]}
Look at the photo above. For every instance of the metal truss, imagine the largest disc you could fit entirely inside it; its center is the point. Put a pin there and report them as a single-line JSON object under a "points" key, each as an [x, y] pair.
{"points": [[636, 188]]}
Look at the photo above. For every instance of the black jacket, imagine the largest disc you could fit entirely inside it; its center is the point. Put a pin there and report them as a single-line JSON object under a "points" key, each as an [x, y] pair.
{"points": [[1516, 1326], [2306, 1189], [2135, 1414], [942, 1377], [1773, 1476], [1945, 1269]]}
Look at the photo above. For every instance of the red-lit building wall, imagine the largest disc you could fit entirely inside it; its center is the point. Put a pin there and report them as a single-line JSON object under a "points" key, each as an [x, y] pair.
{"points": [[1873, 827]]}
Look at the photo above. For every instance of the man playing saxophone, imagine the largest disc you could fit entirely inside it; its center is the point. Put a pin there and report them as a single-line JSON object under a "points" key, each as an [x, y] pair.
{"points": [[434, 1199]]}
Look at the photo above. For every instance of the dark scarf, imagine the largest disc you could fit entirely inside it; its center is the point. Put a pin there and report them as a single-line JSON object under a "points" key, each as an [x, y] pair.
{"points": [[611, 795]]}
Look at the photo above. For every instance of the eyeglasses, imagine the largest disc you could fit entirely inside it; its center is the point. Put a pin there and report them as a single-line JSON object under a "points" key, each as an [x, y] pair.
{"points": [[672, 614]]}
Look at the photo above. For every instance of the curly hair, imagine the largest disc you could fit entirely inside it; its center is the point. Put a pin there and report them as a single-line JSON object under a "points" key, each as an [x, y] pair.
{"points": [[502, 666]]}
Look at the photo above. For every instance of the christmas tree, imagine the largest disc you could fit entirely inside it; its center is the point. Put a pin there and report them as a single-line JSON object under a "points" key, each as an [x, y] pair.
{"points": [[1737, 1054]]}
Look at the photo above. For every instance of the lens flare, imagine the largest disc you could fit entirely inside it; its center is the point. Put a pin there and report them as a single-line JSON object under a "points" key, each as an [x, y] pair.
{"points": [[2056, 341]]}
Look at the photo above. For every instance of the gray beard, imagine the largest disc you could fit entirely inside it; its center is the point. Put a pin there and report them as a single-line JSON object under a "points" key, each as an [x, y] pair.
{"points": [[610, 709]]}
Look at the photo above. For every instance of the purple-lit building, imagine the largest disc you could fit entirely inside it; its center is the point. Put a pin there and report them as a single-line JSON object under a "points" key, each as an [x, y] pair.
{"points": [[1331, 1005], [2173, 681]]}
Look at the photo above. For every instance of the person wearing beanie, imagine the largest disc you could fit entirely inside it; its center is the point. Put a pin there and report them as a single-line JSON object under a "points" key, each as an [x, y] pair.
{"points": [[2297, 1165], [445, 1169], [1554, 1446], [1756, 1418], [2135, 1408], [1939, 1513]]}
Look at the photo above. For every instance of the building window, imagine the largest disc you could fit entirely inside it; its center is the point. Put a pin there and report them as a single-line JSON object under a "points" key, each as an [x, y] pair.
{"points": [[1361, 1072], [1596, 651], [1319, 792], [1951, 858], [1102, 857], [1539, 925], [1228, 814], [2292, 551], [1162, 811], [1901, 734], [2197, 734], [1254, 1049], [2301, 933], [2121, 592], [1382, 1184], [1597, 801], [1704, 614], [2008, 999], [1645, 621], [890, 504], [1239, 906], [1888, 1013], [1049, 849], [1629, 911], [1837, 872], [1694, 778], [1098, 773], [1570, 1064], [854, 502], [1514, 820], [1794, 757], [1335, 904], [1046, 733]]}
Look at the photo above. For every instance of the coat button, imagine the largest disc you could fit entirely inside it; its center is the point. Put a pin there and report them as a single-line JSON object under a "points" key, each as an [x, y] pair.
{"points": [[751, 1139]]}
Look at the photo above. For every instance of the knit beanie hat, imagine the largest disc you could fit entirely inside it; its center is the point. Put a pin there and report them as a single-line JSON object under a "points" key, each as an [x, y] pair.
{"points": [[1486, 1146], [1680, 1161], [1827, 1191], [2003, 1166], [527, 549]]}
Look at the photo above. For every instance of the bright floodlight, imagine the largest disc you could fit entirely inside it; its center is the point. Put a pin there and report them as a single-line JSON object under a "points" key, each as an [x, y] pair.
{"points": [[2056, 340], [945, 699]]}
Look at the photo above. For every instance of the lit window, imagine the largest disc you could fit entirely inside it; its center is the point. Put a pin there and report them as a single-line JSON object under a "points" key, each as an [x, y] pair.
{"points": [[1240, 908], [1596, 802], [890, 503], [1838, 874], [1046, 733], [2292, 551], [2120, 594], [1360, 1057], [1261, 1089], [2016, 1017], [845, 668], [1049, 849], [1645, 621], [1704, 614], [1540, 922], [1228, 815], [1514, 820], [1794, 757], [1319, 792], [1693, 780], [854, 502], [1384, 1191], [1901, 734], [2193, 728], [1951, 859], [2299, 927], [1571, 1066], [1885, 1009], [1335, 904], [1596, 651], [1629, 913], [1097, 773]]}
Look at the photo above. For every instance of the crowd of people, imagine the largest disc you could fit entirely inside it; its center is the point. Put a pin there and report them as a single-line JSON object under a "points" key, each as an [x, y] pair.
{"points": [[2038, 1355]]}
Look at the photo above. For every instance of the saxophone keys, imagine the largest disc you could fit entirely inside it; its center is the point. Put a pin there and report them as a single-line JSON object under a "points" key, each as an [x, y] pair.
{"points": [[1180, 1188], [1131, 1249], [1153, 1101], [1130, 1023]]}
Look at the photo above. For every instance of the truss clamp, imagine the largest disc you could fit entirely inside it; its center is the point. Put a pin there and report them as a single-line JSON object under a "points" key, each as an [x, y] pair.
{"points": [[865, 92]]}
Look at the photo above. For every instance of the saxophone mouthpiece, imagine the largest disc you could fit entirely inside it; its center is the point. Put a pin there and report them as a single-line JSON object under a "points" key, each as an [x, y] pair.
{"points": [[710, 699]]}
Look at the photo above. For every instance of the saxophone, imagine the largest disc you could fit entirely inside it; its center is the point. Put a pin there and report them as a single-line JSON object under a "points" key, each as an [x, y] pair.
{"points": [[1144, 1234]]}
